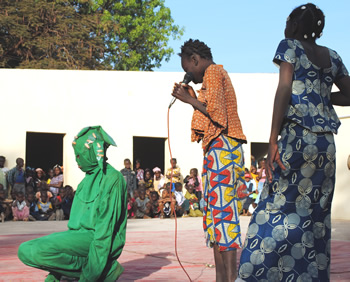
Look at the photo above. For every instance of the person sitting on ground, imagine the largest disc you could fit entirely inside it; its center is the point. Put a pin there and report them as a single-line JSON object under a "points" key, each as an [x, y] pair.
{"points": [[43, 188], [142, 206], [158, 180], [148, 182], [45, 208], [167, 203], [194, 210], [39, 177], [252, 193], [182, 204], [66, 201], [20, 208], [33, 208], [173, 173], [139, 171], [130, 177], [195, 180], [5, 205], [254, 174], [131, 202], [59, 215], [57, 181], [154, 204]]}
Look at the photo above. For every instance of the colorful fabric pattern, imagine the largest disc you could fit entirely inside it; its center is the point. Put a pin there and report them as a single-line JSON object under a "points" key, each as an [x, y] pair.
{"points": [[223, 172], [310, 104], [288, 238], [218, 95]]}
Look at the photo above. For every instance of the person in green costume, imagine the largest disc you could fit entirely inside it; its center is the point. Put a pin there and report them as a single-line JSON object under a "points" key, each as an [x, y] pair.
{"points": [[96, 229]]}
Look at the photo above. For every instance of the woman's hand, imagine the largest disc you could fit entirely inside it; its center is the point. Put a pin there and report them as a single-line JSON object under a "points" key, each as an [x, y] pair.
{"points": [[182, 93], [273, 156]]}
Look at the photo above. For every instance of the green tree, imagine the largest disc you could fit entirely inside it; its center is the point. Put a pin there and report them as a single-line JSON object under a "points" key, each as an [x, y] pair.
{"points": [[95, 34], [49, 35]]}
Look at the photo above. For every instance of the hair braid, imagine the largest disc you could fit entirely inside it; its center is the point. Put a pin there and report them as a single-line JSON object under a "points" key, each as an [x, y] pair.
{"points": [[191, 47]]}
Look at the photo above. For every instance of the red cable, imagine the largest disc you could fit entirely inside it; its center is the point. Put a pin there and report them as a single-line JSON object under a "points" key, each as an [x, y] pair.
{"points": [[171, 186]]}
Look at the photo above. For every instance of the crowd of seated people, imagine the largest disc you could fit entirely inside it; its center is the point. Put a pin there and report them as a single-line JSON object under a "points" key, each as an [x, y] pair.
{"points": [[30, 194], [151, 195]]}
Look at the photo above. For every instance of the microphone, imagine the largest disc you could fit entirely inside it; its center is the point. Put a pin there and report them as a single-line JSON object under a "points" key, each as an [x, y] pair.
{"points": [[187, 79]]}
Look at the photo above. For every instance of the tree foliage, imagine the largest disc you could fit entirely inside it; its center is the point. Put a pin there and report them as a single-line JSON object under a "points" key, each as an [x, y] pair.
{"points": [[99, 34]]}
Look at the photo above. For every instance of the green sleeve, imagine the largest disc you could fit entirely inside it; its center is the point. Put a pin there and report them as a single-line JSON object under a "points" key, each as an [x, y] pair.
{"points": [[110, 225]]}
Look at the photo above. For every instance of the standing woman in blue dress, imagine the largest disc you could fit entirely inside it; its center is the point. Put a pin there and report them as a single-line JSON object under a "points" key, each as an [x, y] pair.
{"points": [[288, 238]]}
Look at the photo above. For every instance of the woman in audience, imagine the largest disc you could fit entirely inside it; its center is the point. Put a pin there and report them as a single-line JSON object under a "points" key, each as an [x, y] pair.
{"points": [[158, 180], [57, 181]]}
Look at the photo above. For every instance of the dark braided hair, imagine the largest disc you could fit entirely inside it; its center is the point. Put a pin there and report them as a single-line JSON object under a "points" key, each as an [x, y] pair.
{"points": [[191, 47], [310, 18]]}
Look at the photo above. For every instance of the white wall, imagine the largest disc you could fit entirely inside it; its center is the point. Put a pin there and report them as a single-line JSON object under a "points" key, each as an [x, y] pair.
{"points": [[131, 104]]}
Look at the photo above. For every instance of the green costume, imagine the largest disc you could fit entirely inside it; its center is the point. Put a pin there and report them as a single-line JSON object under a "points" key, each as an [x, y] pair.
{"points": [[97, 225]]}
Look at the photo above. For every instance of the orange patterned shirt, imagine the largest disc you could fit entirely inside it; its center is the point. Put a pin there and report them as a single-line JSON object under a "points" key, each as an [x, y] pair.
{"points": [[218, 95]]}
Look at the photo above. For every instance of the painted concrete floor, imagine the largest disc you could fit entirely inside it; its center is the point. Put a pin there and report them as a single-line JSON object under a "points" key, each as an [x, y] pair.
{"points": [[149, 251]]}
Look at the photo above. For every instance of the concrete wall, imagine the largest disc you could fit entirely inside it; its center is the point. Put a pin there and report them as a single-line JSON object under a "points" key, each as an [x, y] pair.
{"points": [[131, 104]]}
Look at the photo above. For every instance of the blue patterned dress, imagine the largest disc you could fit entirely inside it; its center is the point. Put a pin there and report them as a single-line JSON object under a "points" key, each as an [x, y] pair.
{"points": [[288, 238]]}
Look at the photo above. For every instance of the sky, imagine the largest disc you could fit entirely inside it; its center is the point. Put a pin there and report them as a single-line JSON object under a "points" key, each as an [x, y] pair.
{"points": [[244, 35]]}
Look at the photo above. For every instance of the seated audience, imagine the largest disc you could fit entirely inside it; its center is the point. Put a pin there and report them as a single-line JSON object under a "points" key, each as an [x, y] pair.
{"points": [[252, 192], [33, 208], [45, 208], [131, 202], [20, 208], [148, 181], [194, 210], [5, 205], [158, 179], [154, 205], [43, 188], [141, 206], [63, 203], [167, 202], [195, 180], [182, 204]]}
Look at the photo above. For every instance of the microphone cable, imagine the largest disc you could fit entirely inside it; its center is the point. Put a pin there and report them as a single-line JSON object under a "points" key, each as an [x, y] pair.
{"points": [[171, 185]]}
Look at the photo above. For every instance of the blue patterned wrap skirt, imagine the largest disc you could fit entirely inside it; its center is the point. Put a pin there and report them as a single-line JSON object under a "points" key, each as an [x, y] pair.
{"points": [[288, 238]]}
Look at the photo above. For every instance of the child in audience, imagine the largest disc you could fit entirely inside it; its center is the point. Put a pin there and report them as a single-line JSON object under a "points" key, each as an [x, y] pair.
{"points": [[33, 208], [5, 205], [131, 202], [142, 206], [182, 204], [194, 210], [154, 210], [67, 201], [148, 181], [43, 188], [58, 204], [167, 202], [20, 208], [195, 180], [45, 207], [50, 175]]}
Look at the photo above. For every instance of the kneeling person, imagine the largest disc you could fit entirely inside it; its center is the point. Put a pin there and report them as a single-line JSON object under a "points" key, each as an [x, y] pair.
{"points": [[96, 229]]}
